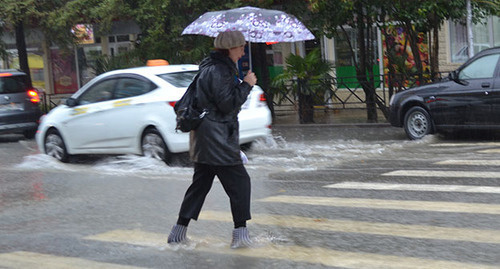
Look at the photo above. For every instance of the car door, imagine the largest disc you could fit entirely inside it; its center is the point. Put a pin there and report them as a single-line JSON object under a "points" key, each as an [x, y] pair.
{"points": [[86, 126], [129, 111], [469, 100], [481, 75]]}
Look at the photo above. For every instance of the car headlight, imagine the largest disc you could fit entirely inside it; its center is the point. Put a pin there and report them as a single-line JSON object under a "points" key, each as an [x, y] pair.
{"points": [[391, 100]]}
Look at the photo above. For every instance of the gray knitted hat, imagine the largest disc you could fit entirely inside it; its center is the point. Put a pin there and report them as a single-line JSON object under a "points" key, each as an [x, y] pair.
{"points": [[228, 40]]}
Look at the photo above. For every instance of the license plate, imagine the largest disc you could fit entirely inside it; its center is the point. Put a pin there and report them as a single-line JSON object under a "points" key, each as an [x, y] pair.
{"points": [[11, 107]]}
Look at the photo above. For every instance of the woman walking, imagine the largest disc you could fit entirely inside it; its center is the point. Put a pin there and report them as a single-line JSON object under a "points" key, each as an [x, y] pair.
{"points": [[214, 145]]}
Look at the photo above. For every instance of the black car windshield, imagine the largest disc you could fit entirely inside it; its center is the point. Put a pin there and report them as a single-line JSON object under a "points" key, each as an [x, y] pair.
{"points": [[12, 84], [179, 79]]}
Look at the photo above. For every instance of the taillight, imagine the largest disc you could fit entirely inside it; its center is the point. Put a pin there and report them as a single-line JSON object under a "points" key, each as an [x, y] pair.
{"points": [[172, 104], [34, 97], [262, 97]]}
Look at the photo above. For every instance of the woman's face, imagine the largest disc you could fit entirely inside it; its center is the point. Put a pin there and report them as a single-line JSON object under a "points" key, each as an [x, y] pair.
{"points": [[236, 53]]}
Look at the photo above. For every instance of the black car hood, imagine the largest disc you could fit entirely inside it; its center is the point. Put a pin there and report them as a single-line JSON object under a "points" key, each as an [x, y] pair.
{"points": [[431, 87]]}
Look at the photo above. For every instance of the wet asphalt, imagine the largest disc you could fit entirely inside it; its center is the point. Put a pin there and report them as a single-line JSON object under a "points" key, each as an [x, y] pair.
{"points": [[70, 210]]}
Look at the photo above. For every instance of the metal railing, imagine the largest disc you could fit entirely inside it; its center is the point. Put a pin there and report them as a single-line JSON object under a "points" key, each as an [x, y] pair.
{"points": [[345, 92]]}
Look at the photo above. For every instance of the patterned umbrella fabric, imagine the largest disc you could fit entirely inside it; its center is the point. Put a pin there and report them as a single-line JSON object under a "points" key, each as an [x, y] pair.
{"points": [[256, 24]]}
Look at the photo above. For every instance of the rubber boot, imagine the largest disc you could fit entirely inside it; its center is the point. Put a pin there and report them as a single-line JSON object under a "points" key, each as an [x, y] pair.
{"points": [[178, 234], [241, 239]]}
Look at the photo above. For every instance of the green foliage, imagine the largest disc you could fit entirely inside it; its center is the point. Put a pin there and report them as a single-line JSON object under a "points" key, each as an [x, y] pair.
{"points": [[105, 63], [162, 23], [312, 72]]}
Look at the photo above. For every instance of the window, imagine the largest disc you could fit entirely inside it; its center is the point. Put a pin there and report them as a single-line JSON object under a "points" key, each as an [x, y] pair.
{"points": [[483, 67], [103, 91], [485, 35], [122, 38], [12, 84], [179, 79], [129, 87]]}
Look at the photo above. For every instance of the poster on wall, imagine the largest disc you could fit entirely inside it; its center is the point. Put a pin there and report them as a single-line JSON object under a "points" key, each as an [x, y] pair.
{"points": [[64, 72], [396, 44], [84, 33]]}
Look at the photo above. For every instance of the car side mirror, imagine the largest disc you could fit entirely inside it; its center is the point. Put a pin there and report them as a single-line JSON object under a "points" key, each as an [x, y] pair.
{"points": [[454, 77], [71, 102]]}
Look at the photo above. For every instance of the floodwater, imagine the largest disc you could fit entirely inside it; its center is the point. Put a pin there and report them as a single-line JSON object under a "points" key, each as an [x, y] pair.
{"points": [[124, 201], [275, 153]]}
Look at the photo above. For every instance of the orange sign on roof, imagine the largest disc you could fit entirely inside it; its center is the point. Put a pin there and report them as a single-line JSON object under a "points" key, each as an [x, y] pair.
{"points": [[157, 62]]}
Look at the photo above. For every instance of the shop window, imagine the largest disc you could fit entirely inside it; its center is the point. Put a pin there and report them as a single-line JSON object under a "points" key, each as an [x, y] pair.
{"points": [[345, 62]]}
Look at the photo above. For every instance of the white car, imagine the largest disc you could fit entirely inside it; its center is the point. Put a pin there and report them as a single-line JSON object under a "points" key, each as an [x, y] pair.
{"points": [[131, 111]]}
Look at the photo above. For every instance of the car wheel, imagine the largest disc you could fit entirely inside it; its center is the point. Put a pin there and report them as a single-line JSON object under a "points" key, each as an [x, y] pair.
{"points": [[29, 134], [153, 146], [417, 123], [55, 147]]}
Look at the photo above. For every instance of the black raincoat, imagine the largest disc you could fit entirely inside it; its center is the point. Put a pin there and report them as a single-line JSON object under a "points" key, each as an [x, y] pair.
{"points": [[216, 140]]}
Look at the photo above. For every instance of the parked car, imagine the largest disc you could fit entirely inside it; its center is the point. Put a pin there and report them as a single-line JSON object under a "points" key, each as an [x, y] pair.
{"points": [[468, 98], [19, 110], [131, 111]]}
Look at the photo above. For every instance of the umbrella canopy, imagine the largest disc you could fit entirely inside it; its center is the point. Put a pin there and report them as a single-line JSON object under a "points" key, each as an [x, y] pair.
{"points": [[256, 24]]}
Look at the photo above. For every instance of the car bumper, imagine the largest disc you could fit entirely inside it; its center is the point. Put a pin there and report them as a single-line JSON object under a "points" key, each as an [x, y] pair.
{"points": [[18, 127], [394, 117]]}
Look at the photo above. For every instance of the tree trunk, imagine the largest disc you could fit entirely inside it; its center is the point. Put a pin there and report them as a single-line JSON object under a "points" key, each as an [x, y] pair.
{"points": [[363, 64], [22, 53], [413, 37], [435, 53], [306, 104]]}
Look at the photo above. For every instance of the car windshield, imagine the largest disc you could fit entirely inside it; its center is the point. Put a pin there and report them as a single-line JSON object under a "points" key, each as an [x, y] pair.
{"points": [[12, 84], [179, 79]]}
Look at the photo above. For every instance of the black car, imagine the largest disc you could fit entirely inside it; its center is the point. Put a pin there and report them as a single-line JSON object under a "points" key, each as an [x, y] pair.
{"points": [[19, 104], [468, 99]]}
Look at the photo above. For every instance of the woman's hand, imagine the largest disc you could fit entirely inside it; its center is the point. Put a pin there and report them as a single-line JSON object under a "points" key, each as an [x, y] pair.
{"points": [[250, 78]]}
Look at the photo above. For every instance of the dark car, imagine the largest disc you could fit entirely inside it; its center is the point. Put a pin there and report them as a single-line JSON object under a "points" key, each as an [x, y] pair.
{"points": [[469, 98], [19, 110]]}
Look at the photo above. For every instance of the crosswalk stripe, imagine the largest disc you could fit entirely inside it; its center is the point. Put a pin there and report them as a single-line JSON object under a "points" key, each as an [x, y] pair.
{"points": [[23, 259], [313, 255], [388, 204], [438, 173], [375, 228], [489, 151], [470, 162], [414, 187], [465, 144]]}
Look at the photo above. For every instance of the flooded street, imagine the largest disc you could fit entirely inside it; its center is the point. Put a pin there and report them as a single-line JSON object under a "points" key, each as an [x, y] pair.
{"points": [[321, 197]]}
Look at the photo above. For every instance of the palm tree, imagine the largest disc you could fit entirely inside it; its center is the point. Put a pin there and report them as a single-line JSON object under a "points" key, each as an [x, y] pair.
{"points": [[312, 77]]}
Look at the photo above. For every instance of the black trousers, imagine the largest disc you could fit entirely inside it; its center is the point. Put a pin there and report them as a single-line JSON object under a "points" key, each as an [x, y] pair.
{"points": [[235, 181]]}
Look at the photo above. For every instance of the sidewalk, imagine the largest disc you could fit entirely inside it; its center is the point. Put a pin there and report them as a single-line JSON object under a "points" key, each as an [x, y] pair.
{"points": [[339, 117]]}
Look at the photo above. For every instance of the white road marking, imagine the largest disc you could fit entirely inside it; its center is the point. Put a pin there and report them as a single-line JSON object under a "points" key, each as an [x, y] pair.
{"points": [[470, 162], [313, 255], [23, 259], [465, 144], [414, 187], [489, 151], [362, 227], [440, 173], [388, 204]]}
